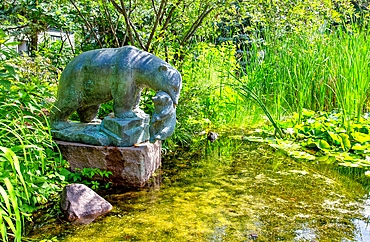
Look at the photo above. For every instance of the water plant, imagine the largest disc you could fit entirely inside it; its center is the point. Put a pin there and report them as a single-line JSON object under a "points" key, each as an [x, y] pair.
{"points": [[321, 71], [243, 89], [320, 136], [207, 99]]}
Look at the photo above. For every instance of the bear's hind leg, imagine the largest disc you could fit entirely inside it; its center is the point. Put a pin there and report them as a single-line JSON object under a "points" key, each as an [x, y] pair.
{"points": [[59, 116], [87, 114]]}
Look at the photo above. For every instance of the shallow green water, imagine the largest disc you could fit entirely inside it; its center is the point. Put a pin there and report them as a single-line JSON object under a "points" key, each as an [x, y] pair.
{"points": [[238, 191]]}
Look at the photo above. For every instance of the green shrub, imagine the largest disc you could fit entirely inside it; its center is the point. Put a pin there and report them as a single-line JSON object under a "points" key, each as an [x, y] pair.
{"points": [[29, 166], [207, 101]]}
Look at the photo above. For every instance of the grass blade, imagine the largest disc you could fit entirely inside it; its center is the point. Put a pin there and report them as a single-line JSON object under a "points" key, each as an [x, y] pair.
{"points": [[18, 220], [13, 159]]}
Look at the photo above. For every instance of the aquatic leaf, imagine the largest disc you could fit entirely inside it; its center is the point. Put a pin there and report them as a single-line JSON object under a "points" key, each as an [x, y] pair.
{"points": [[347, 157], [331, 160], [363, 163], [323, 158], [255, 139], [302, 155], [335, 138], [327, 158], [346, 143], [361, 137], [349, 164], [358, 146], [364, 129], [311, 121], [322, 144], [308, 113], [310, 143]]}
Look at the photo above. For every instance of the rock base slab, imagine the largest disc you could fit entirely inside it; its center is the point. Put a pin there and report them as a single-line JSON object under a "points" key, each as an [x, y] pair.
{"points": [[122, 132], [131, 166], [126, 132], [81, 132]]}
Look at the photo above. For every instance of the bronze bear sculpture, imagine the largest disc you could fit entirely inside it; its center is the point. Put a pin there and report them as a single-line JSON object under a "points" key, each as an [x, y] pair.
{"points": [[118, 74]]}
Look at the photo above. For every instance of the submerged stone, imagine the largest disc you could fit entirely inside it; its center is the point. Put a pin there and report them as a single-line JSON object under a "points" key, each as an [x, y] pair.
{"points": [[81, 205]]}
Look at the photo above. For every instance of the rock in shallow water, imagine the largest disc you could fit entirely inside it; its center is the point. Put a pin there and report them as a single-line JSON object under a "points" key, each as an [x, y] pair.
{"points": [[81, 205]]}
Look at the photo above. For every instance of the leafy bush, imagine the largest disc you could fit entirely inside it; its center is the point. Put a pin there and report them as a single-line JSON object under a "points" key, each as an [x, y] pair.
{"points": [[321, 136], [207, 101], [247, 22], [29, 166], [58, 52]]}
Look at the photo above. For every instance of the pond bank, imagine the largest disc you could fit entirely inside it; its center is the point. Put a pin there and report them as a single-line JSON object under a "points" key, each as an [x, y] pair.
{"points": [[239, 191]]}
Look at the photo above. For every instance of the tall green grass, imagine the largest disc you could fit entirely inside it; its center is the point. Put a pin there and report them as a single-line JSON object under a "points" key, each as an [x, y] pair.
{"points": [[320, 71], [317, 71], [10, 215], [29, 166], [207, 98]]}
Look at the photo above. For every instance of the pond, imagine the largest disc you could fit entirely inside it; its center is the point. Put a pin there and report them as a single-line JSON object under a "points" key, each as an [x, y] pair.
{"points": [[234, 191]]}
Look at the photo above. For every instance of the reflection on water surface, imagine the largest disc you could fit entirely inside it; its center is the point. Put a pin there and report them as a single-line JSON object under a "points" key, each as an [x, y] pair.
{"points": [[239, 192]]}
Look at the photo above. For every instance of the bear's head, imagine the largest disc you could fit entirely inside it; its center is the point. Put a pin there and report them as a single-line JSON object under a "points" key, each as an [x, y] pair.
{"points": [[170, 82], [162, 101]]}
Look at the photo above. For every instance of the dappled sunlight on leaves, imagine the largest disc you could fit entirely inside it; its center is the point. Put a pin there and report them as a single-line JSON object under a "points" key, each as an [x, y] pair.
{"points": [[322, 137]]}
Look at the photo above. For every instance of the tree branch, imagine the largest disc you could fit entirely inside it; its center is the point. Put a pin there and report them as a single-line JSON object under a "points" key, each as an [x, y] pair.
{"points": [[70, 43], [129, 25], [87, 24], [168, 19], [196, 24], [127, 20], [169, 16], [137, 35], [155, 10], [158, 17], [110, 22]]}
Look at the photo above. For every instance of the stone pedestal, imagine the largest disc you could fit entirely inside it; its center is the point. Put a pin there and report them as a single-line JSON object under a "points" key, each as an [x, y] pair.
{"points": [[131, 166]]}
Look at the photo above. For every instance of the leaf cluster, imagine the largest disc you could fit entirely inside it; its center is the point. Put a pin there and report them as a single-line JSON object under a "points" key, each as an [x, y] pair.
{"points": [[29, 164], [322, 136], [248, 22]]}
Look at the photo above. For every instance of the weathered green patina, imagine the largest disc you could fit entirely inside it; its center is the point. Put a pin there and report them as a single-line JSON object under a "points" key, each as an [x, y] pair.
{"points": [[118, 74]]}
